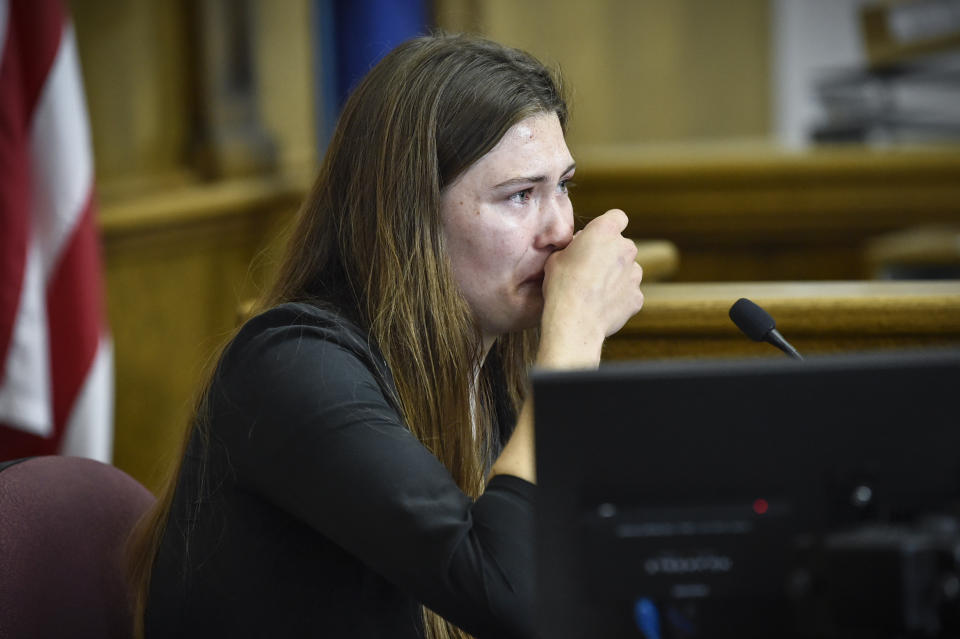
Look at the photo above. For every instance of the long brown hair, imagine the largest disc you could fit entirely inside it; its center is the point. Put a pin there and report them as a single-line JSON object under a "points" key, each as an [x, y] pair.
{"points": [[368, 241]]}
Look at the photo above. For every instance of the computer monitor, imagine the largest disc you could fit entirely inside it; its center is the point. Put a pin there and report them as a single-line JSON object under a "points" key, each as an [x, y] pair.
{"points": [[764, 497]]}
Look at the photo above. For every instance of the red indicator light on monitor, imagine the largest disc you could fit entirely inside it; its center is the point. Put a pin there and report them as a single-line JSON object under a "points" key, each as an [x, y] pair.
{"points": [[760, 506]]}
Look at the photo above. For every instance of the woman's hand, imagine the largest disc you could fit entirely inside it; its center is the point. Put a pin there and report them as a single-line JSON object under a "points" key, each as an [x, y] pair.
{"points": [[590, 289]]}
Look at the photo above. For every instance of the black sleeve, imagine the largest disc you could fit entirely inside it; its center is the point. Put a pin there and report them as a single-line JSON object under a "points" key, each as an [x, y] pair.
{"points": [[315, 435]]}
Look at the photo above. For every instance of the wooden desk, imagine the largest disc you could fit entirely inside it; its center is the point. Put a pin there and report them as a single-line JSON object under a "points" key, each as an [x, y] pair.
{"points": [[690, 319]]}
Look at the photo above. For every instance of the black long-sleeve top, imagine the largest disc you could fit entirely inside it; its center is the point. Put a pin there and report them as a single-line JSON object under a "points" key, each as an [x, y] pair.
{"points": [[305, 507]]}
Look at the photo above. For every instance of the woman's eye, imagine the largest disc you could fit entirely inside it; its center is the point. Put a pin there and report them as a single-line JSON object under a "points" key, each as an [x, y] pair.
{"points": [[521, 197], [564, 186]]}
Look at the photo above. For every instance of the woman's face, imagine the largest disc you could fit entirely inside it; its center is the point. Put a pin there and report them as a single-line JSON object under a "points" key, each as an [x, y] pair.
{"points": [[503, 217]]}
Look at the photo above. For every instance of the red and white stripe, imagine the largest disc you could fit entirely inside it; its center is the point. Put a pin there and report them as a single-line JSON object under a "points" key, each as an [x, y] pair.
{"points": [[56, 361]]}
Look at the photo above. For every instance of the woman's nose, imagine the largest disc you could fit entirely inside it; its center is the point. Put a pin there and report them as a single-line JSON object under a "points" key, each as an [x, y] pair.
{"points": [[557, 230]]}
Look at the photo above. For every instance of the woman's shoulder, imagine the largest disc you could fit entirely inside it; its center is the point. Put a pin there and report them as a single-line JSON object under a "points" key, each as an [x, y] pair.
{"points": [[303, 332], [326, 318], [305, 321]]}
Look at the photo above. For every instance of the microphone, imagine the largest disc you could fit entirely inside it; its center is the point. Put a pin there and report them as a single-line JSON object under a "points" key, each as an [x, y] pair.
{"points": [[757, 324]]}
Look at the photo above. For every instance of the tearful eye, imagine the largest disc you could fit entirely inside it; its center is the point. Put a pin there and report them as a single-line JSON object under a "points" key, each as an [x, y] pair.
{"points": [[521, 197]]}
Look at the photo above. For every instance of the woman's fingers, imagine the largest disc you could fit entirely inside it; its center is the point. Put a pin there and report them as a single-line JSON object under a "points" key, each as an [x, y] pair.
{"points": [[596, 277], [616, 219]]}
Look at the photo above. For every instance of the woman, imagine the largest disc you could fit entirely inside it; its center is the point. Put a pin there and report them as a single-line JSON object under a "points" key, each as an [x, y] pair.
{"points": [[361, 462]]}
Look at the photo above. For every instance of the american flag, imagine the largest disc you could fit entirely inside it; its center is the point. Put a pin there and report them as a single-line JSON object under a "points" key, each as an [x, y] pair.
{"points": [[56, 361]]}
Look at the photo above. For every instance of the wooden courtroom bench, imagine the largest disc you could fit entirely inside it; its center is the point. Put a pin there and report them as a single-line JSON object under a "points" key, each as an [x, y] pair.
{"points": [[691, 320], [925, 252], [660, 259]]}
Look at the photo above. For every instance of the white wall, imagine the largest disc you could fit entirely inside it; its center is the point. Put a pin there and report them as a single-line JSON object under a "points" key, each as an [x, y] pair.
{"points": [[808, 36]]}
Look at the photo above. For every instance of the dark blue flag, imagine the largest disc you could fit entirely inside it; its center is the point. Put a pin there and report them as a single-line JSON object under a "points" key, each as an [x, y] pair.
{"points": [[350, 37]]}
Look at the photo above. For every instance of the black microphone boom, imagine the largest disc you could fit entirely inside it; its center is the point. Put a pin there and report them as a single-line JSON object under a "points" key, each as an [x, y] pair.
{"points": [[758, 325]]}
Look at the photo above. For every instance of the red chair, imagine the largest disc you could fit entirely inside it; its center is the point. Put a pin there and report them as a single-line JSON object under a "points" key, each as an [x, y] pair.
{"points": [[63, 525]]}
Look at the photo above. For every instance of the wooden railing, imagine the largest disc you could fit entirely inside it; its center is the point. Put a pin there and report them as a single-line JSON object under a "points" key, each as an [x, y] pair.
{"points": [[691, 319]]}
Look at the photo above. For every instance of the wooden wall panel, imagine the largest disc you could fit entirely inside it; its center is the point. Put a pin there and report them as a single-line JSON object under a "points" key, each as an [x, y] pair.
{"points": [[652, 71], [758, 213], [178, 268], [285, 74], [134, 56]]}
